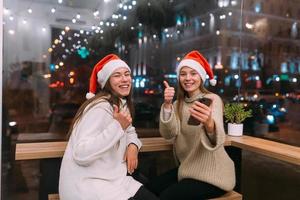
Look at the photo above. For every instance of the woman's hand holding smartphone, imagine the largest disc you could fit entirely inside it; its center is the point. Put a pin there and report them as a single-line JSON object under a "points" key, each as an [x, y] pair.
{"points": [[200, 113]]}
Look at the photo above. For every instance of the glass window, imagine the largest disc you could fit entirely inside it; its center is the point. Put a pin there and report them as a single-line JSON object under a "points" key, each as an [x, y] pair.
{"points": [[50, 48]]}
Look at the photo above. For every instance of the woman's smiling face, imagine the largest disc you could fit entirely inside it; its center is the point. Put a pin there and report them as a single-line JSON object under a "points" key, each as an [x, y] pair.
{"points": [[120, 81], [190, 80]]}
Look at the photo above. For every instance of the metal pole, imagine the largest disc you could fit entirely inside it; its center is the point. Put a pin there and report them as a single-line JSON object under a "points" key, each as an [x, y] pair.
{"points": [[1, 84]]}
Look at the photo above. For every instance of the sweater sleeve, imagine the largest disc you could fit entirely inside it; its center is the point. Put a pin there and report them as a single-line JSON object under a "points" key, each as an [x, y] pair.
{"points": [[131, 137], [168, 128], [96, 133], [212, 141]]}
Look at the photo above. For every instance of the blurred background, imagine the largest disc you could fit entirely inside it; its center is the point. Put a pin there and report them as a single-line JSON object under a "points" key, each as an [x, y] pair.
{"points": [[51, 46]]}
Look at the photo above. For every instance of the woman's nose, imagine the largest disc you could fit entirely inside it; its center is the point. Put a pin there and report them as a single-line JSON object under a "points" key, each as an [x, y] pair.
{"points": [[125, 77]]}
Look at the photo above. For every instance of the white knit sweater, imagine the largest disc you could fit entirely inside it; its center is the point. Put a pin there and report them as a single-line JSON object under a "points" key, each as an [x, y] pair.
{"points": [[93, 167], [202, 156]]}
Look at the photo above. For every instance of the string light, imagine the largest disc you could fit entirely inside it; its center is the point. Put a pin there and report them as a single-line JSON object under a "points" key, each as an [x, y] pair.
{"points": [[29, 10], [12, 32], [6, 11], [96, 13], [53, 10]]}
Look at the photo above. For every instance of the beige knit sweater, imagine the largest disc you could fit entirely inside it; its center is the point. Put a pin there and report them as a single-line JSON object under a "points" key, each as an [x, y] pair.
{"points": [[201, 156]]}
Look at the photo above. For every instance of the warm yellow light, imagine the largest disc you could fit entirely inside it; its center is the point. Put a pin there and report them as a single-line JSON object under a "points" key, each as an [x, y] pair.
{"points": [[61, 64], [47, 75], [276, 94], [56, 67], [50, 50], [67, 28], [218, 66], [72, 80], [72, 73], [56, 41]]}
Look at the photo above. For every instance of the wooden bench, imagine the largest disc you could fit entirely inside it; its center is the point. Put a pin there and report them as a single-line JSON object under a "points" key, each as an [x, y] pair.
{"points": [[288, 153], [233, 195], [53, 197], [228, 196]]}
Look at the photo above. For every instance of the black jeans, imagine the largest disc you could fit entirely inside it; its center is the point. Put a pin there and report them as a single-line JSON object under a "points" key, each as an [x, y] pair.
{"points": [[143, 194], [167, 187]]}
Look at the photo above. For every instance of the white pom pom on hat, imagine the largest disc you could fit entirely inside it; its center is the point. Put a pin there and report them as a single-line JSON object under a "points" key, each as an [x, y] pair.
{"points": [[196, 61], [102, 71]]}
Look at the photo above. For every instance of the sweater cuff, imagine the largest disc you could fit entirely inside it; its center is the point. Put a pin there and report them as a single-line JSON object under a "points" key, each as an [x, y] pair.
{"points": [[136, 142], [212, 141]]}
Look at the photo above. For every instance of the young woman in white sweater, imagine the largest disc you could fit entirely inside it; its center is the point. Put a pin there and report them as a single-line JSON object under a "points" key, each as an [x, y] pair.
{"points": [[205, 170], [103, 145]]}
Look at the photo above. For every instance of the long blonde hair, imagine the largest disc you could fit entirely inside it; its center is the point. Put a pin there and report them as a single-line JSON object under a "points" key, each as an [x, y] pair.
{"points": [[181, 94], [107, 94]]}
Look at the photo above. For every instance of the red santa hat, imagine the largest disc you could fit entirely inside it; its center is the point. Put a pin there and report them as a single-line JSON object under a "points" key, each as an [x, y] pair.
{"points": [[102, 71], [197, 62]]}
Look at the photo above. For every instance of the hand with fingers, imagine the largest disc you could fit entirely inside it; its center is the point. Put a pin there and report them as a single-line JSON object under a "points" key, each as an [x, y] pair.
{"points": [[123, 117], [168, 95], [202, 113], [131, 158]]}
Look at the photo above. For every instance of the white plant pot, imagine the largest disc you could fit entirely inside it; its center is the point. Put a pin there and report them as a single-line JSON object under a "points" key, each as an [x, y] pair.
{"points": [[235, 129]]}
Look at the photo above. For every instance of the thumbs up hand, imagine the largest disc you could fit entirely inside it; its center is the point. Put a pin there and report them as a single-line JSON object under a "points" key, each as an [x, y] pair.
{"points": [[168, 95], [123, 117]]}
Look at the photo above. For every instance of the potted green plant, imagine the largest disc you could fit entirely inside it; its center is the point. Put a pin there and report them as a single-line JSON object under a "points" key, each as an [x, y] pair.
{"points": [[235, 114]]}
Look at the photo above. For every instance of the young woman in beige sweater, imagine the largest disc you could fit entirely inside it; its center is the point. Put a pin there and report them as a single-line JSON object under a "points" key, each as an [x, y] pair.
{"points": [[205, 170]]}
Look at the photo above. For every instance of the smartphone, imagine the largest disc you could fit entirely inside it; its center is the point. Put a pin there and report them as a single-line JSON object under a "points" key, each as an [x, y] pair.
{"points": [[194, 122]]}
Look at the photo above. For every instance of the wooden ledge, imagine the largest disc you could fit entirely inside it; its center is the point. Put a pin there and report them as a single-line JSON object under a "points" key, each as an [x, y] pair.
{"points": [[40, 150], [268, 148], [284, 152]]}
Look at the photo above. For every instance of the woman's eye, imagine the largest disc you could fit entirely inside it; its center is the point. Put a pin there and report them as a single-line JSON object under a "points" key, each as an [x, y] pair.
{"points": [[117, 76]]}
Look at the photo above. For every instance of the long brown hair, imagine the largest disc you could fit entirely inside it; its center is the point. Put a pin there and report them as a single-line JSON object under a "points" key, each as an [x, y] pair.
{"points": [[181, 94], [108, 94]]}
